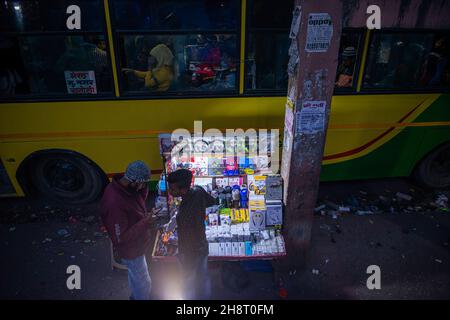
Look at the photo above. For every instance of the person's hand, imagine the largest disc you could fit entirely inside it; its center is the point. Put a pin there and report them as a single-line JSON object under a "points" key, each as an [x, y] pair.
{"points": [[127, 70], [151, 220]]}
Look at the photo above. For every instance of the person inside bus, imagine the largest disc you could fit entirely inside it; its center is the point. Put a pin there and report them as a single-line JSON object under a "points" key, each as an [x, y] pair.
{"points": [[160, 73], [192, 245], [346, 68], [124, 214], [435, 67], [9, 75]]}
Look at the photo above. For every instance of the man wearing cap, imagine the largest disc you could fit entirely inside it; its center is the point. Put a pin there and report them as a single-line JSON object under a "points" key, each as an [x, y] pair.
{"points": [[346, 68], [125, 216]]}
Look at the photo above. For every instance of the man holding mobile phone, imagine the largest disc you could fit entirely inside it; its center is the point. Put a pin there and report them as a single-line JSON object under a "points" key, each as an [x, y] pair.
{"points": [[129, 224]]}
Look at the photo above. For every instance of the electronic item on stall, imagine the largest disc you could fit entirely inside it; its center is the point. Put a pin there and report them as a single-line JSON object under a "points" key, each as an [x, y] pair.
{"points": [[245, 163], [235, 249], [231, 167], [225, 220], [221, 182], [228, 196], [162, 186], [262, 164], [274, 213], [274, 188], [213, 219], [257, 184], [236, 196], [222, 197], [257, 220], [228, 248], [216, 166], [244, 196], [248, 248]]}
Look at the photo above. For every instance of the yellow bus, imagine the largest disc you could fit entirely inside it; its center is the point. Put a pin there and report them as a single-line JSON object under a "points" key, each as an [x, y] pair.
{"points": [[76, 106]]}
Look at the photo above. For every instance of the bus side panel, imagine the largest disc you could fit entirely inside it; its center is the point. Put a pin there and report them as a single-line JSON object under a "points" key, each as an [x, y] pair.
{"points": [[438, 113], [111, 155], [392, 159]]}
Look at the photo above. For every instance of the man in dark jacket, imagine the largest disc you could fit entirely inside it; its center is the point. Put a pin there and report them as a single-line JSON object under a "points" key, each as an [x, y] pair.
{"points": [[125, 216], [192, 243]]}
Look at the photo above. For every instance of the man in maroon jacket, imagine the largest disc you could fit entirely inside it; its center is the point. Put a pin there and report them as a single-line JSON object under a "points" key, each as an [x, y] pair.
{"points": [[125, 216]]}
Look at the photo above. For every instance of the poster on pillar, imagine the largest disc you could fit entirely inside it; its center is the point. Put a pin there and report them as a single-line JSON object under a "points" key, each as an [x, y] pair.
{"points": [[311, 118], [319, 32]]}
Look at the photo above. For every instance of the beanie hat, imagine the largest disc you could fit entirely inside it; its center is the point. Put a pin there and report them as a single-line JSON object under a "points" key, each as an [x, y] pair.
{"points": [[137, 171]]}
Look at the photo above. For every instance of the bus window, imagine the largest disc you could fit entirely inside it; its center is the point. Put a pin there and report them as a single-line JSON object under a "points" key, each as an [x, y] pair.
{"points": [[435, 69], [263, 14], [48, 15], [53, 65], [348, 53], [176, 14], [266, 65], [153, 64], [41, 58], [408, 61], [177, 47]]}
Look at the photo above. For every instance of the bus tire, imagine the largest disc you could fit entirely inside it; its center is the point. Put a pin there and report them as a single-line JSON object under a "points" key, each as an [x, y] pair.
{"points": [[67, 178], [434, 170]]}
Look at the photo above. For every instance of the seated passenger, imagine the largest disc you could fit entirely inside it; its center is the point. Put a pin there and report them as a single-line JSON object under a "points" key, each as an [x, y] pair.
{"points": [[345, 69], [160, 72]]}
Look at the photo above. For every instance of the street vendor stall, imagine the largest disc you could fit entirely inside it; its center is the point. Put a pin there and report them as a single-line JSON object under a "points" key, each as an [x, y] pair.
{"points": [[247, 219]]}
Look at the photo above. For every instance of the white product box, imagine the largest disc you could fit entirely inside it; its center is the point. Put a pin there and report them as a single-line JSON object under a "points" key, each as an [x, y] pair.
{"points": [[213, 249], [235, 248], [222, 250], [241, 248], [228, 248]]}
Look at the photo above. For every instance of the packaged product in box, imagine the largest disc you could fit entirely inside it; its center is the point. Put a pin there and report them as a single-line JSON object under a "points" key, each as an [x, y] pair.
{"points": [[235, 248], [274, 188], [257, 220], [256, 201], [274, 214], [213, 219], [200, 166], [231, 167], [205, 183], [222, 250], [225, 219], [242, 248], [262, 164], [245, 163], [257, 184], [216, 166], [235, 181], [248, 248], [228, 248], [221, 182]]}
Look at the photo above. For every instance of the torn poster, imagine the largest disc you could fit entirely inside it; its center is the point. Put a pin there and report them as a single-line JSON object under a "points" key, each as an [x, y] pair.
{"points": [[295, 25], [293, 57], [319, 32], [80, 82], [288, 118], [311, 118]]}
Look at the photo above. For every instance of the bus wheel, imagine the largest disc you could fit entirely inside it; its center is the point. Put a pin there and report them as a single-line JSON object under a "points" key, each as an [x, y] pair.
{"points": [[68, 178], [434, 170]]}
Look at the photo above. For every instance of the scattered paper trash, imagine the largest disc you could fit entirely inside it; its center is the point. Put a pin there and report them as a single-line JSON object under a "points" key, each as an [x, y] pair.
{"points": [[63, 233], [403, 196]]}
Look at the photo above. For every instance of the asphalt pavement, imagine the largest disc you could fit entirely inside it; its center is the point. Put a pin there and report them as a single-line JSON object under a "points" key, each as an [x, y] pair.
{"points": [[390, 223]]}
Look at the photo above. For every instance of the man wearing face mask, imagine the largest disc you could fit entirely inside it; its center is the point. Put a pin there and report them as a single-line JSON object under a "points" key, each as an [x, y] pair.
{"points": [[125, 216]]}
